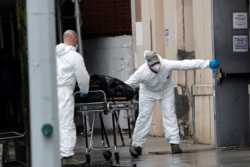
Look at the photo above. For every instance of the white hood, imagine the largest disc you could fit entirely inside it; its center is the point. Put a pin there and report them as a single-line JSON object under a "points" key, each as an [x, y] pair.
{"points": [[62, 49], [147, 51]]}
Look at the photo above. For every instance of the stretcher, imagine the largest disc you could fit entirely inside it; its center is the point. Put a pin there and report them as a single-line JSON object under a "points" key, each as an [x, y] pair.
{"points": [[109, 107]]}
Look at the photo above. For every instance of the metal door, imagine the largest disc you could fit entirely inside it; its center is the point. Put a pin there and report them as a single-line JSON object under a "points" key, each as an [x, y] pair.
{"points": [[231, 47]]}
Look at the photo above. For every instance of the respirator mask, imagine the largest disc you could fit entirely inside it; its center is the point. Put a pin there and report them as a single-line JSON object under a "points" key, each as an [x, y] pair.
{"points": [[156, 67]]}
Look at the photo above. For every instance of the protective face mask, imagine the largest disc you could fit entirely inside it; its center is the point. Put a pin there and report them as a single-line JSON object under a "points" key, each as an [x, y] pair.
{"points": [[156, 67]]}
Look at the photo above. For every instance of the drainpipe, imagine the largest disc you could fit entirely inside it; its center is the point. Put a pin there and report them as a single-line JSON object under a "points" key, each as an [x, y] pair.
{"points": [[78, 26], [42, 83]]}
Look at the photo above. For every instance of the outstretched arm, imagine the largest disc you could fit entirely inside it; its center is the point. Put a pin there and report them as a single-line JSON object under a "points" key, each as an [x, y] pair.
{"points": [[134, 80], [192, 64]]}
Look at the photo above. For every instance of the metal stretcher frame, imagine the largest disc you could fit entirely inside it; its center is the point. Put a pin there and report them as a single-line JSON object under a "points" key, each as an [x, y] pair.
{"points": [[5, 139], [106, 106]]}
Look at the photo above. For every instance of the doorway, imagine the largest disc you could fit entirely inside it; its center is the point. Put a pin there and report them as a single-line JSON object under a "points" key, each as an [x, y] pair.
{"points": [[231, 47]]}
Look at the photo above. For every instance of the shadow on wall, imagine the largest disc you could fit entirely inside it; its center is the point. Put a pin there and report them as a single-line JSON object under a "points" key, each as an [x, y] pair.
{"points": [[182, 112]]}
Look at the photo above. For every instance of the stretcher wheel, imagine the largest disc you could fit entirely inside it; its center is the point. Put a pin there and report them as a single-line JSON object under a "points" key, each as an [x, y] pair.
{"points": [[107, 155], [87, 158], [117, 157]]}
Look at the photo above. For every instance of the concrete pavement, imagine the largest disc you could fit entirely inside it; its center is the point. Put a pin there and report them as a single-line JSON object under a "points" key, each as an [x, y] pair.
{"points": [[157, 153]]}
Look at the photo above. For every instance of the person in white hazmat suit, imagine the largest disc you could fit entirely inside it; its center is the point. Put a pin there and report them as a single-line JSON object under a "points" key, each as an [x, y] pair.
{"points": [[154, 78], [70, 69]]}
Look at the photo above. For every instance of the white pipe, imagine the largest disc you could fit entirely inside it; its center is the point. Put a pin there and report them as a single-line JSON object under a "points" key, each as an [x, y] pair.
{"points": [[42, 83]]}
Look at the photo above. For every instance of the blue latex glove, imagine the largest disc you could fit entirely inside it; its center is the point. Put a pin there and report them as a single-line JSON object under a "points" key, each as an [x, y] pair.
{"points": [[83, 95], [213, 64]]}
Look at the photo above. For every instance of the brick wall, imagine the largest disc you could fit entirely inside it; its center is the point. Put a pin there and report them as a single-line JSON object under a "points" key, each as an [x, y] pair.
{"points": [[106, 18]]}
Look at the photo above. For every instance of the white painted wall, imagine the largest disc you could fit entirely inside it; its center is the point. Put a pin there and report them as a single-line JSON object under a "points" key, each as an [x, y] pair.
{"points": [[204, 105], [110, 56]]}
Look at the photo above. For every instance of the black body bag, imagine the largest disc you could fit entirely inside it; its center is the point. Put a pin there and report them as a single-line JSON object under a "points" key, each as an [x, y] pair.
{"points": [[112, 87]]}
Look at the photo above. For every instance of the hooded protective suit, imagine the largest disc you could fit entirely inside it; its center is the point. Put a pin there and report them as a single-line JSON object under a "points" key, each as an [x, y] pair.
{"points": [[159, 86], [70, 68]]}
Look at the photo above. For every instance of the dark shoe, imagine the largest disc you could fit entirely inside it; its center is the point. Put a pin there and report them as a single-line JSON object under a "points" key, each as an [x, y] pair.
{"points": [[176, 149], [135, 151], [70, 161]]}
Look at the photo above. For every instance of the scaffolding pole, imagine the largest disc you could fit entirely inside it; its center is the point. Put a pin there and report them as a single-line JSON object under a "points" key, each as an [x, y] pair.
{"points": [[78, 26]]}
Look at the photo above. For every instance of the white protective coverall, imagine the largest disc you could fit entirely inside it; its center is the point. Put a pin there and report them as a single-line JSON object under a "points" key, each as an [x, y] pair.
{"points": [[160, 87], [70, 68]]}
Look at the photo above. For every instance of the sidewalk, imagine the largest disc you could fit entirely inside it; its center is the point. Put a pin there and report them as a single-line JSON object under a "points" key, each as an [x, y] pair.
{"points": [[157, 153]]}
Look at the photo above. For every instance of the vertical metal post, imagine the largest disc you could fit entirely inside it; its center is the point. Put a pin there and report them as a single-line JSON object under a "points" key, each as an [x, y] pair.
{"points": [[78, 26], [1, 33], [13, 47], [59, 20], [42, 83]]}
